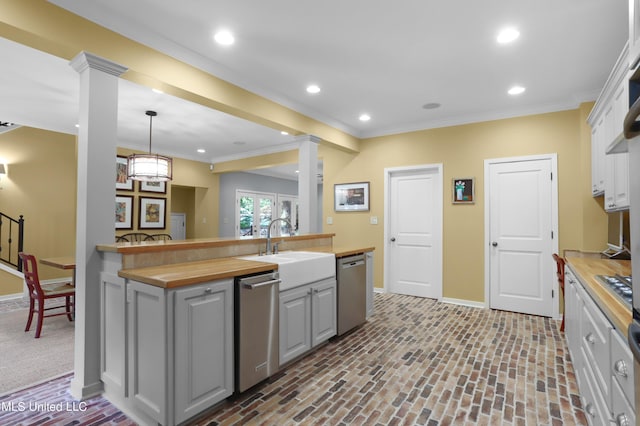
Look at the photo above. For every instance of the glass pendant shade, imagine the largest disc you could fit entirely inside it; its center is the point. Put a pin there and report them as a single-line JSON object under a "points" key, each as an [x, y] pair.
{"points": [[149, 167]]}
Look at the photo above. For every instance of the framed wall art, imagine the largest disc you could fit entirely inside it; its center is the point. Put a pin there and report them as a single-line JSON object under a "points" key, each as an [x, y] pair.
{"points": [[160, 187], [124, 211], [351, 197], [122, 183], [463, 190], [152, 213]]}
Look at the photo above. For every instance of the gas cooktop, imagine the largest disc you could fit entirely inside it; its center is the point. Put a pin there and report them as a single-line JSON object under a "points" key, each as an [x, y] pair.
{"points": [[620, 286]]}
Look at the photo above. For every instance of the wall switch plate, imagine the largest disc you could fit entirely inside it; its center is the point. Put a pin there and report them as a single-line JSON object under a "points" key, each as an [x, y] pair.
{"points": [[374, 220], [329, 220]]}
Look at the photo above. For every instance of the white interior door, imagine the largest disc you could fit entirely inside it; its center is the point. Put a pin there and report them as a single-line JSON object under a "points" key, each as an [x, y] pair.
{"points": [[521, 203], [178, 226], [413, 230]]}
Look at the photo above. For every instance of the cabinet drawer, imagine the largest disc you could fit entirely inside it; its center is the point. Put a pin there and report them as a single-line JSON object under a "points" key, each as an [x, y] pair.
{"points": [[621, 408], [622, 366], [596, 331], [594, 402]]}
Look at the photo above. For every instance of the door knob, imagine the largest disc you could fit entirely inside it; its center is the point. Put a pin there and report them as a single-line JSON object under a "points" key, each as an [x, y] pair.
{"points": [[495, 244], [393, 239]]}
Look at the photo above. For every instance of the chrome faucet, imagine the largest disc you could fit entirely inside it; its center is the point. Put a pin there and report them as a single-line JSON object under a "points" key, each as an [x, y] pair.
{"points": [[269, 231]]}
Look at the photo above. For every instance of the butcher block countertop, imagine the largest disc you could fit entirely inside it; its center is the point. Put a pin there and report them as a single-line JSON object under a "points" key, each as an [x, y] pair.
{"points": [[189, 273], [586, 270], [182, 274], [341, 251]]}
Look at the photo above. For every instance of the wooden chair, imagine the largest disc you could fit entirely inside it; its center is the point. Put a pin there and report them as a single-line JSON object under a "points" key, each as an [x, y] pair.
{"points": [[560, 274], [134, 237], [161, 237], [39, 293]]}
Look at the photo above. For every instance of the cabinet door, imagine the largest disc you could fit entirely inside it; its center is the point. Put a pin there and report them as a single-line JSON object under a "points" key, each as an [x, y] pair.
{"points": [[324, 315], [295, 323], [597, 158], [634, 32], [203, 330], [147, 349], [573, 309], [370, 294]]}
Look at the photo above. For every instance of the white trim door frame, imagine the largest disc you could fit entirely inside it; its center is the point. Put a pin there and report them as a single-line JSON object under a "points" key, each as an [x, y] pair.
{"points": [[552, 158], [436, 219]]}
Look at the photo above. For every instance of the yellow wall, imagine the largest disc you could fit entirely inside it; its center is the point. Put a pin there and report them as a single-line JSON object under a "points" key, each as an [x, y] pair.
{"points": [[41, 185], [462, 151]]}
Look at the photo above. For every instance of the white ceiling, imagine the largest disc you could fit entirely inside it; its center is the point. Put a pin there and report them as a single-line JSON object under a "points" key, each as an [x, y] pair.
{"points": [[384, 58]]}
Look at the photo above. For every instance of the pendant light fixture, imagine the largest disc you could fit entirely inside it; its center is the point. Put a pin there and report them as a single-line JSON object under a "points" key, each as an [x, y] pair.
{"points": [[149, 167]]}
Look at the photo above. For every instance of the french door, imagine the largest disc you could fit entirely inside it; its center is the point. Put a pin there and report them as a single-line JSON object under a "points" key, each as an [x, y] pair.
{"points": [[254, 212]]}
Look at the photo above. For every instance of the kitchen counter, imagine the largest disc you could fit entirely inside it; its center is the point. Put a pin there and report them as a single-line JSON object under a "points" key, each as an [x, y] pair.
{"points": [[341, 251], [586, 270], [188, 273]]}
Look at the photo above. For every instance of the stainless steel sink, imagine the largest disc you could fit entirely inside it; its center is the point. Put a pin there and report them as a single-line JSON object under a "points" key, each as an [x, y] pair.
{"points": [[299, 267]]}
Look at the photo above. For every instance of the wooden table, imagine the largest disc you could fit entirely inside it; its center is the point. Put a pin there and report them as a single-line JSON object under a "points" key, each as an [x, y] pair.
{"points": [[63, 262]]}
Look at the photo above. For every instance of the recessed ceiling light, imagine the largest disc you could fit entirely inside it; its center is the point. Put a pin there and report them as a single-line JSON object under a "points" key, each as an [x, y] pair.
{"points": [[313, 89], [78, 126], [516, 90], [507, 35], [224, 37], [284, 133], [157, 91], [364, 117], [201, 151], [431, 105]]}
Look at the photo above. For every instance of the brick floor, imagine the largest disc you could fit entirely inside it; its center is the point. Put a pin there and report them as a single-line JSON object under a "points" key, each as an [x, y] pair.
{"points": [[416, 362]]}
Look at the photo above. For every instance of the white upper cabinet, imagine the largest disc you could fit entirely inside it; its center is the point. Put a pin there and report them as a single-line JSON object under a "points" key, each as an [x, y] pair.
{"points": [[609, 173], [634, 33]]}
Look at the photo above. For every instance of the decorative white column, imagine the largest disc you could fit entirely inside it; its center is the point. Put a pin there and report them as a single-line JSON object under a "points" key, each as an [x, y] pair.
{"points": [[308, 184], [95, 223]]}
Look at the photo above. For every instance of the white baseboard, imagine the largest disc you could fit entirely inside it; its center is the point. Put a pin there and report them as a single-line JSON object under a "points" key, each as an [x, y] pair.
{"points": [[12, 296], [462, 302]]}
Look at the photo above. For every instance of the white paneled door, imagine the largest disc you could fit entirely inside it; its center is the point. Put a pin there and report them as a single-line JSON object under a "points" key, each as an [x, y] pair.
{"points": [[521, 213], [414, 231]]}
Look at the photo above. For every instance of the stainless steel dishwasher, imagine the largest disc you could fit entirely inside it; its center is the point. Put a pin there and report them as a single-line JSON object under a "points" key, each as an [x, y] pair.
{"points": [[352, 292], [256, 329]]}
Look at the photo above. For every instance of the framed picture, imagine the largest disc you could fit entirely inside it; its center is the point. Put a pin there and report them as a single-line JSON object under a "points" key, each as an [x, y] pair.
{"points": [[152, 213], [160, 187], [463, 190], [351, 197], [124, 211], [122, 183]]}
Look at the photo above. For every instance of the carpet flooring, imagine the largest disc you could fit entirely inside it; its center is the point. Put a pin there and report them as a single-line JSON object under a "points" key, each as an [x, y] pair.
{"points": [[415, 362], [25, 360]]}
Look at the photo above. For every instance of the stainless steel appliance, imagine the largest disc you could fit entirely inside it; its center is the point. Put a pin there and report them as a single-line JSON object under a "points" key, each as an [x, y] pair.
{"points": [[256, 329], [352, 292], [619, 286]]}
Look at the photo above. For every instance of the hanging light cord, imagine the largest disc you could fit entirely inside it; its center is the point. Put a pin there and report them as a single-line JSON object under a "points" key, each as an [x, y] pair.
{"points": [[151, 114]]}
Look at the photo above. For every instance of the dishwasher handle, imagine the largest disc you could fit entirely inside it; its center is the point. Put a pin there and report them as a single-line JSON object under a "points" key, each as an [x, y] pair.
{"points": [[351, 262], [253, 286]]}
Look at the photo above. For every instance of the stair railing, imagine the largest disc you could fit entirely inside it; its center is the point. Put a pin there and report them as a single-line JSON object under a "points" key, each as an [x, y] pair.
{"points": [[11, 240]]}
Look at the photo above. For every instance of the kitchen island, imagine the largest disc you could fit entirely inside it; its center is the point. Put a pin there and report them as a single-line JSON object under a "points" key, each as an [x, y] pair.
{"points": [[167, 320]]}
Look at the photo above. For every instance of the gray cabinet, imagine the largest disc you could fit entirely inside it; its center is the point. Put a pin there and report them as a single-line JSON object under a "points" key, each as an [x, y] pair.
{"points": [[176, 348], [307, 318], [203, 330]]}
